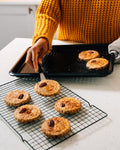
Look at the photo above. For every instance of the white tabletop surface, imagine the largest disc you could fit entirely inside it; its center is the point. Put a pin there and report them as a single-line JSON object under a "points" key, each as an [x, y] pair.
{"points": [[104, 92]]}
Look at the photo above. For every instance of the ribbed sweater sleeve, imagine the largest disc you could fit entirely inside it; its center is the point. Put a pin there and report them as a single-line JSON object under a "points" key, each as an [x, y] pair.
{"points": [[85, 21], [47, 18]]}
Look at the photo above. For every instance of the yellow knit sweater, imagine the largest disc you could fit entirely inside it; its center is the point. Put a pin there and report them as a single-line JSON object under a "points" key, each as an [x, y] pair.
{"points": [[88, 21]]}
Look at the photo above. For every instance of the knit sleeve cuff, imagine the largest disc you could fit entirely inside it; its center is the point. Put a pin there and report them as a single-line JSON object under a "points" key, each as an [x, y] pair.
{"points": [[45, 27]]}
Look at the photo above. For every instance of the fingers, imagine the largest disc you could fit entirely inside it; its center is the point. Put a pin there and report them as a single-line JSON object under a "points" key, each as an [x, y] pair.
{"points": [[29, 58], [35, 58], [40, 61], [43, 52], [32, 58], [36, 53], [41, 55]]}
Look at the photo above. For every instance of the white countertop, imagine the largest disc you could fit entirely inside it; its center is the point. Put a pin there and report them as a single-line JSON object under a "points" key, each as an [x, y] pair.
{"points": [[103, 92], [20, 2]]}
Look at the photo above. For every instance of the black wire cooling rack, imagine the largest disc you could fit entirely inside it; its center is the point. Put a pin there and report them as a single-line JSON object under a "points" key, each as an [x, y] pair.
{"points": [[31, 133]]}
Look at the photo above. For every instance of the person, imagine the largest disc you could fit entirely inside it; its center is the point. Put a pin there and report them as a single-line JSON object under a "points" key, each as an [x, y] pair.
{"points": [[86, 21]]}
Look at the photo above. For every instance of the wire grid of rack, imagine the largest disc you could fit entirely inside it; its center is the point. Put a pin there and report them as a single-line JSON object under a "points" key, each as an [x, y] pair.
{"points": [[31, 133]]}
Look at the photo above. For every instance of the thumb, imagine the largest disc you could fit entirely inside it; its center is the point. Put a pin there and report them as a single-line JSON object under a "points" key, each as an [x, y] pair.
{"points": [[41, 57], [42, 54]]}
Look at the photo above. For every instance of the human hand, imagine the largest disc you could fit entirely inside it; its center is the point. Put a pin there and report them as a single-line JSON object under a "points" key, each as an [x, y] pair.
{"points": [[36, 53]]}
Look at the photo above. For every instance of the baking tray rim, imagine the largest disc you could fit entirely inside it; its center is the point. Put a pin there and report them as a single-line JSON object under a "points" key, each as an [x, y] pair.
{"points": [[17, 74]]}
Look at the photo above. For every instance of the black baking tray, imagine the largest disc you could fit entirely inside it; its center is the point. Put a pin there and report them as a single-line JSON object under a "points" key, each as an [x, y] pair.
{"points": [[63, 61]]}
